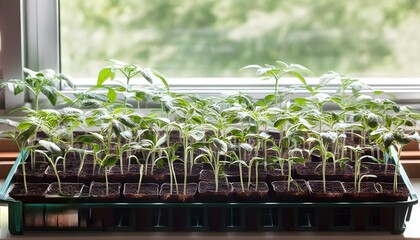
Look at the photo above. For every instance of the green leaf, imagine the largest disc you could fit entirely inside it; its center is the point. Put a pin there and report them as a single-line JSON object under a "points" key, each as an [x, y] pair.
{"points": [[162, 78], [301, 101], [402, 138], [9, 122], [96, 147], [87, 138], [247, 147], [197, 135], [220, 144], [23, 136], [148, 75], [161, 141], [117, 127], [104, 74], [51, 93], [109, 161], [126, 135], [297, 160], [388, 139], [50, 146], [17, 86], [126, 121], [112, 95], [373, 120], [250, 67], [67, 80], [264, 135], [280, 122]]}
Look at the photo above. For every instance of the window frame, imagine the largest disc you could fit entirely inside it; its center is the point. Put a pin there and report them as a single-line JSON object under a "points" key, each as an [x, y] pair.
{"points": [[40, 30], [12, 50]]}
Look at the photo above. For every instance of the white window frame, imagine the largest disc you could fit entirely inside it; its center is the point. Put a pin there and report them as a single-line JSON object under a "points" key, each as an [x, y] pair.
{"points": [[12, 50], [41, 47]]}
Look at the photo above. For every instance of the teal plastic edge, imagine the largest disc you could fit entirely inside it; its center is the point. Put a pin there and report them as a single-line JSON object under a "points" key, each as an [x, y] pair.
{"points": [[10, 178]]}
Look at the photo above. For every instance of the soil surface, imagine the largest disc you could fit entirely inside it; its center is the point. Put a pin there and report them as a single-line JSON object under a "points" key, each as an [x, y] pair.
{"points": [[365, 187], [145, 188], [67, 189], [331, 187], [204, 186], [98, 189], [148, 192], [166, 196], [34, 189], [281, 186]]}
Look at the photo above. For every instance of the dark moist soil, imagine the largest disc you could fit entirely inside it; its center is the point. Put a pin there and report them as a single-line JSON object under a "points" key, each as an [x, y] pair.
{"points": [[275, 174], [191, 176], [166, 196], [68, 189], [208, 176], [130, 175], [148, 192], [32, 175], [250, 195], [367, 192], [294, 193], [313, 171], [233, 175], [334, 191], [36, 192], [98, 191], [89, 174], [76, 159], [70, 175], [207, 192], [160, 175], [378, 169], [388, 195]]}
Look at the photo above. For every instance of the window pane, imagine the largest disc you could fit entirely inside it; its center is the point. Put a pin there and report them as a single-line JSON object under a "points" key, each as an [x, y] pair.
{"points": [[213, 38]]}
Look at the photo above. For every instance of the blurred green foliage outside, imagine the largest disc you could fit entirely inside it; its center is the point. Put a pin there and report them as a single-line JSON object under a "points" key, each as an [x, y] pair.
{"points": [[215, 38]]}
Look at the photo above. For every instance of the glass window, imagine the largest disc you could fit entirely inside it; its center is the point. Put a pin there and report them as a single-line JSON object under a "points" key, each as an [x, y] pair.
{"points": [[213, 38]]}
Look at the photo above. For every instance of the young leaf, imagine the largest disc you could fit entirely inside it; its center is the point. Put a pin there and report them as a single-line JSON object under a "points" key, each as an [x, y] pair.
{"points": [[250, 67], [388, 139], [197, 135], [126, 135], [220, 144], [16, 86], [161, 141], [162, 78], [148, 75], [109, 161], [104, 74], [51, 93], [247, 147], [126, 121], [9, 122], [67, 80], [50, 146], [112, 95]]}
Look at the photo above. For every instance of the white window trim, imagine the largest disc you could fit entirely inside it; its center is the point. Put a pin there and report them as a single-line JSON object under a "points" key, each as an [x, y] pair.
{"points": [[12, 49]]}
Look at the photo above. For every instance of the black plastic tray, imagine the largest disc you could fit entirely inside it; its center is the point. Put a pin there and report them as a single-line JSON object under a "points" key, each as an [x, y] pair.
{"points": [[267, 216]]}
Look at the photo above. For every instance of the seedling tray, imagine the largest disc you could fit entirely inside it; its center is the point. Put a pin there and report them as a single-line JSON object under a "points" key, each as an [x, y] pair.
{"points": [[196, 216]]}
